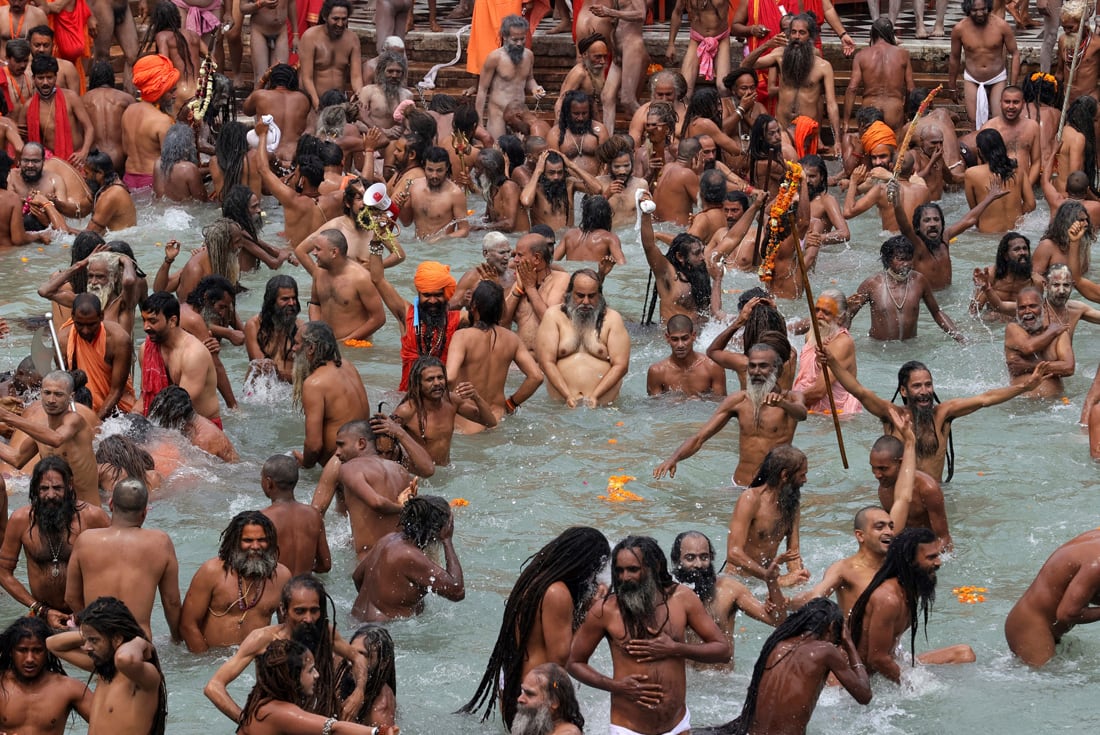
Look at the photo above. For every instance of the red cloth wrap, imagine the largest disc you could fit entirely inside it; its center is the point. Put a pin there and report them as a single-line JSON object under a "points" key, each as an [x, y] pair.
{"points": [[62, 132], [154, 375]]}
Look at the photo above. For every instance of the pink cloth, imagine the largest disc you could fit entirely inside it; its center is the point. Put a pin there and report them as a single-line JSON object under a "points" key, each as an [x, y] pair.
{"points": [[135, 182], [201, 20], [808, 370], [708, 50]]}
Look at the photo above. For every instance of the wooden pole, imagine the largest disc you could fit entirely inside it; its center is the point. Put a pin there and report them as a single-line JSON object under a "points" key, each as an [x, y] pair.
{"points": [[1085, 26]]}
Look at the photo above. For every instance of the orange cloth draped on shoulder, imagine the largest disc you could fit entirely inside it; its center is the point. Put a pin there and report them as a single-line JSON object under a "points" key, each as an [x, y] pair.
{"points": [[91, 358], [62, 131], [485, 30], [71, 39], [154, 374]]}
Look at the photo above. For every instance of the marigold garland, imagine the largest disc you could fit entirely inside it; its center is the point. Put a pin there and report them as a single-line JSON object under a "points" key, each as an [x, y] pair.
{"points": [[201, 104], [382, 227], [969, 595], [780, 206], [617, 492]]}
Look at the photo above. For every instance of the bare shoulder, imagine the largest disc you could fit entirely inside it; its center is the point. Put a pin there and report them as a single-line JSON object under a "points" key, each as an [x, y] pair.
{"points": [[93, 517]]}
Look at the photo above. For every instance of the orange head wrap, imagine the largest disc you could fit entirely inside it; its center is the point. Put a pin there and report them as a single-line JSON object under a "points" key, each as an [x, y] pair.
{"points": [[154, 75], [432, 277], [878, 134], [805, 135]]}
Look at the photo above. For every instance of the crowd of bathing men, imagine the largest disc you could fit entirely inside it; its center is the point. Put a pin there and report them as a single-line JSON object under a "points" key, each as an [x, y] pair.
{"points": [[711, 151]]}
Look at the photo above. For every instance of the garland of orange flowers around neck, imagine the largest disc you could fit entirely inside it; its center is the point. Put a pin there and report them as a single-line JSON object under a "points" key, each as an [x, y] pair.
{"points": [[780, 206]]}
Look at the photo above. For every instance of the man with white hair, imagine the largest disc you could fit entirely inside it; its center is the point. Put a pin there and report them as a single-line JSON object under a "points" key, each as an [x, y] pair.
{"points": [[109, 276], [391, 44], [497, 268], [378, 101]]}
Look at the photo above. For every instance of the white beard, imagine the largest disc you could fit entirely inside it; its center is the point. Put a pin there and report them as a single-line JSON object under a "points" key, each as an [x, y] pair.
{"points": [[757, 392]]}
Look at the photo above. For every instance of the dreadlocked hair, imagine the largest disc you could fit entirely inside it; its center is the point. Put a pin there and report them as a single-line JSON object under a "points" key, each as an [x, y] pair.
{"points": [[781, 458], [267, 313], [704, 104], [20, 630], [230, 149], [230, 539], [128, 459], [413, 395], [53, 463], [422, 518], [763, 318], [278, 678], [573, 558], [110, 617], [320, 337], [819, 617], [235, 201], [318, 639], [166, 17], [378, 646], [899, 565], [654, 560]]}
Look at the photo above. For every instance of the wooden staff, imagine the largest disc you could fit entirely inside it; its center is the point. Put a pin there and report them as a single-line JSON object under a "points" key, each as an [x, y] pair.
{"points": [[909, 130], [1073, 69], [820, 345]]}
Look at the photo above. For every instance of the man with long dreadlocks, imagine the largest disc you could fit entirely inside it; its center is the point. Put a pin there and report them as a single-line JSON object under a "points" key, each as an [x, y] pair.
{"points": [[210, 315], [270, 335], [379, 101], [177, 176], [130, 695], [583, 347], [172, 409], [398, 573], [304, 608], [380, 696], [241, 207], [237, 591], [645, 619], [329, 390], [1069, 228], [767, 416], [166, 35], [932, 420], [904, 586], [548, 601], [998, 170], [683, 283], [431, 408], [234, 163], [218, 256], [102, 561], [38, 696], [46, 529], [577, 134], [120, 457], [791, 671]]}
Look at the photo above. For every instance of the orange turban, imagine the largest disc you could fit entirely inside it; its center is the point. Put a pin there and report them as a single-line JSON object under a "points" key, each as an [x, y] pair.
{"points": [[878, 134], [432, 276], [154, 75], [805, 135]]}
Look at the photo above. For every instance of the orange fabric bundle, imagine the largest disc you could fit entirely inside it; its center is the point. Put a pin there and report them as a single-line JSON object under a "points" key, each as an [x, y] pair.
{"points": [[805, 135], [879, 133], [154, 75], [432, 276]]}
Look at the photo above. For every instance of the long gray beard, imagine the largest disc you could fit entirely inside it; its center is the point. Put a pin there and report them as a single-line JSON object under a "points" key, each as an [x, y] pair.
{"points": [[392, 91], [254, 567], [104, 293], [532, 721], [302, 370], [757, 392]]}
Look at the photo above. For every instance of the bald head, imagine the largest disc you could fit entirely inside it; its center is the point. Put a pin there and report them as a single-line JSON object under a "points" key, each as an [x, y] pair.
{"points": [[130, 498], [87, 304]]}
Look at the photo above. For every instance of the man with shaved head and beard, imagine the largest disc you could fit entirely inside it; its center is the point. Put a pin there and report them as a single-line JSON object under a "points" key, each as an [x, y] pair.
{"points": [[583, 348], [645, 620], [1032, 338], [765, 416]]}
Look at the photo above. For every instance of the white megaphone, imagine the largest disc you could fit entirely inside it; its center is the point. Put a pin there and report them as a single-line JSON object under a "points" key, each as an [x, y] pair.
{"points": [[377, 198]]}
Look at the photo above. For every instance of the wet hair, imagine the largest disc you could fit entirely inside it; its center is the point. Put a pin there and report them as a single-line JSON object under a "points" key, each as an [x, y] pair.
{"points": [[677, 255], [312, 170], [382, 672], [422, 518], [172, 408], [101, 74], [230, 149], [318, 639], [781, 458], [666, 111], [900, 564], [572, 97], [230, 539], [669, 75], [123, 248], [442, 103], [512, 148], [491, 163], [166, 17], [42, 64], [712, 187], [510, 22], [704, 104], [614, 147], [1082, 112], [758, 147], [488, 299], [282, 470], [278, 677], [6, 164], [466, 119], [130, 496], [991, 147], [1000, 266], [896, 246], [122, 453], [53, 463], [161, 302], [283, 75], [819, 617], [99, 161], [83, 245], [596, 213], [884, 29], [418, 145], [110, 617], [19, 631], [179, 142], [267, 313], [680, 323], [321, 338], [1064, 218], [86, 303], [763, 318], [656, 564], [674, 552], [817, 162], [436, 154], [328, 6], [574, 557], [421, 123], [235, 201]]}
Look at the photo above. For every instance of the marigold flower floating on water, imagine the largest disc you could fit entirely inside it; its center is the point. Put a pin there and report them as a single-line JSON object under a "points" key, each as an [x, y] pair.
{"points": [[459, 503], [969, 595], [617, 492], [612, 441], [358, 343], [1065, 400]]}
